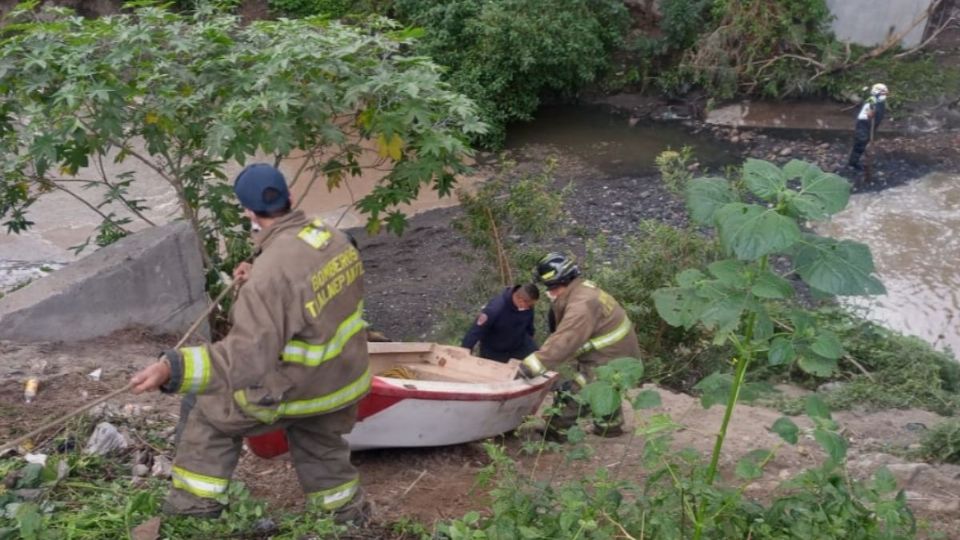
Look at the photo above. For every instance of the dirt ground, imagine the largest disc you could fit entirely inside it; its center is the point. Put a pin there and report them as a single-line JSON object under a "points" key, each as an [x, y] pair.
{"points": [[436, 484], [416, 281]]}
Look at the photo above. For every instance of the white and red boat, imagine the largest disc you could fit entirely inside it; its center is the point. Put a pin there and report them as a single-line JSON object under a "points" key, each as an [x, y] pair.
{"points": [[445, 396]]}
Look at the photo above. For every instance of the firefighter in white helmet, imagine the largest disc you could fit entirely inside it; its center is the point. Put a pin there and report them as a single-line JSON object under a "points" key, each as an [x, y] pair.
{"points": [[868, 121]]}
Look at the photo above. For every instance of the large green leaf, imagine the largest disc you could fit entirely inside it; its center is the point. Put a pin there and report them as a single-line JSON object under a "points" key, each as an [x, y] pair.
{"points": [[602, 397], [705, 196], [781, 352], [647, 399], [817, 365], [690, 277], [786, 429], [832, 443], [840, 267], [827, 344], [771, 286], [723, 307], [750, 466], [715, 389], [816, 408], [821, 194], [730, 272], [622, 372], [801, 170], [678, 306], [884, 481], [751, 231], [764, 179]]}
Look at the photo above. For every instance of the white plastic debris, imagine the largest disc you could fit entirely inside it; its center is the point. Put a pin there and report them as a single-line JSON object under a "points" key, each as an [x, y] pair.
{"points": [[96, 374], [39, 459], [105, 439], [162, 467]]}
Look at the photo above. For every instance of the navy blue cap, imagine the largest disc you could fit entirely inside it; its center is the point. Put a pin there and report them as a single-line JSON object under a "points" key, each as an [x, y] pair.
{"points": [[261, 188]]}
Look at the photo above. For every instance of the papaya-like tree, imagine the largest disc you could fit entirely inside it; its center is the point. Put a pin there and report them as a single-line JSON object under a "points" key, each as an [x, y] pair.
{"points": [[184, 94]]}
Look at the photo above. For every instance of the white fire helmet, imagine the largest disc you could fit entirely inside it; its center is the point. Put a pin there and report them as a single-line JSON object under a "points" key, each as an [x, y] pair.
{"points": [[879, 89]]}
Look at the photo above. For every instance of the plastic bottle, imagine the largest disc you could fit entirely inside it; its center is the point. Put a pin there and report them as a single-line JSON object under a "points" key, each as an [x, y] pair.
{"points": [[30, 390]]}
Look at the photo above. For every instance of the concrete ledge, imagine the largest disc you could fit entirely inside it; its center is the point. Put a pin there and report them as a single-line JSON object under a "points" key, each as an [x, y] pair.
{"points": [[152, 279]]}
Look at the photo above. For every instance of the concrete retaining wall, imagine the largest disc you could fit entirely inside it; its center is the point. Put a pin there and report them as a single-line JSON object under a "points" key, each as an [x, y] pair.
{"points": [[152, 279], [870, 22]]}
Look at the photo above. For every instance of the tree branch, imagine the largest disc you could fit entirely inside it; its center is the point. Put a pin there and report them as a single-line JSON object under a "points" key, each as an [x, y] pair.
{"points": [[103, 174]]}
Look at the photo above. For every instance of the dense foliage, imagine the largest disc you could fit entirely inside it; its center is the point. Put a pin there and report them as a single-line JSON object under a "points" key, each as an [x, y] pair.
{"points": [[675, 499], [507, 54], [182, 94]]}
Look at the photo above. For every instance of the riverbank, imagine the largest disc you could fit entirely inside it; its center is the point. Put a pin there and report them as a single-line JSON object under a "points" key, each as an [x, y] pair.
{"points": [[415, 281]]}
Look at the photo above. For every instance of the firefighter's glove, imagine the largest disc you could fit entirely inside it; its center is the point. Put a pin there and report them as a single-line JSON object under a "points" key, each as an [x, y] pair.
{"points": [[531, 367]]}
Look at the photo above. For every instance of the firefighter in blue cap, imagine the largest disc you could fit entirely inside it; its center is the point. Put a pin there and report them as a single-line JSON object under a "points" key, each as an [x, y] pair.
{"points": [[294, 359]]}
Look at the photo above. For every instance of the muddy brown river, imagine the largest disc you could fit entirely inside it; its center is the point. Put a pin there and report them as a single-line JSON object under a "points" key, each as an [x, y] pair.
{"points": [[913, 233], [911, 228]]}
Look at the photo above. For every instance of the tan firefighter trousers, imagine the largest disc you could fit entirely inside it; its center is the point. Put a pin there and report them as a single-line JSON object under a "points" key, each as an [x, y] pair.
{"points": [[209, 447]]}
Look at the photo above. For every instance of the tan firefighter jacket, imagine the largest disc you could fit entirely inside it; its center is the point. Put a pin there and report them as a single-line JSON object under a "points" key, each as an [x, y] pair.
{"points": [[591, 327], [297, 346]]}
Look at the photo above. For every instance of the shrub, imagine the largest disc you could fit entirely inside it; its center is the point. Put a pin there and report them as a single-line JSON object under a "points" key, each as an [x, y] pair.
{"points": [[649, 261], [506, 54], [942, 443], [907, 371], [303, 8]]}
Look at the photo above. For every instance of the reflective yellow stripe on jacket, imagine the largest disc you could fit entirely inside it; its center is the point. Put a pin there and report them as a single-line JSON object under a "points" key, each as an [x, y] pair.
{"points": [[196, 370], [201, 485], [313, 355], [608, 339], [307, 407]]}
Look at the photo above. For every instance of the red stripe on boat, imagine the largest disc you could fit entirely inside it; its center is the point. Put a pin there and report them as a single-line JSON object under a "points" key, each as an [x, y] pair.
{"points": [[382, 396]]}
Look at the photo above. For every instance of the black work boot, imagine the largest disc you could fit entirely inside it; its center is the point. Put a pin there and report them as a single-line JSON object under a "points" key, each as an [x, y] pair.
{"points": [[181, 503], [358, 512]]}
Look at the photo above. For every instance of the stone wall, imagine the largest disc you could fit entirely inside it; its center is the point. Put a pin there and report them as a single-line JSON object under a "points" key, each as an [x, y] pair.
{"points": [[871, 22], [153, 279]]}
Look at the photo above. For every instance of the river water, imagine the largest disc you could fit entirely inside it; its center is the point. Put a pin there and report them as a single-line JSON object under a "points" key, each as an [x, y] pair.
{"points": [[612, 143], [911, 228], [912, 231]]}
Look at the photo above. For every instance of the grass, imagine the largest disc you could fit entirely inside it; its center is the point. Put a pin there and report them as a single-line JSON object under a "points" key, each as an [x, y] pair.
{"points": [[82, 497]]}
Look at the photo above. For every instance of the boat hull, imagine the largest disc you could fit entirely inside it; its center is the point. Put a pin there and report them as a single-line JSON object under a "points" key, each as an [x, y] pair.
{"points": [[413, 413]]}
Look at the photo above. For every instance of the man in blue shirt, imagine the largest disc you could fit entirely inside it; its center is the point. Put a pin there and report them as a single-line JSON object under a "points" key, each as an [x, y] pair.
{"points": [[504, 327]]}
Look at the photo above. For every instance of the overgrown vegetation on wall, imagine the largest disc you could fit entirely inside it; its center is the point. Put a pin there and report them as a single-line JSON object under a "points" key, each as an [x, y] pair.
{"points": [[507, 54], [770, 48]]}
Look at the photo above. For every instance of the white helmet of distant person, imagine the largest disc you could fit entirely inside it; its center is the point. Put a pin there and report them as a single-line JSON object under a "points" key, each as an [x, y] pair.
{"points": [[879, 89]]}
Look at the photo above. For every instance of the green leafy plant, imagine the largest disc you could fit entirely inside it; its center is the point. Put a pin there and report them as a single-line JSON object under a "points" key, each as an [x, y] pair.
{"points": [[822, 502], [674, 167], [675, 356], [506, 54], [904, 371], [303, 8], [509, 209], [183, 94], [731, 298], [942, 442]]}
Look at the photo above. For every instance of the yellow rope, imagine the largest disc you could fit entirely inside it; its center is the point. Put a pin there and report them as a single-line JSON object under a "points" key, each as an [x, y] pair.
{"points": [[399, 372]]}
